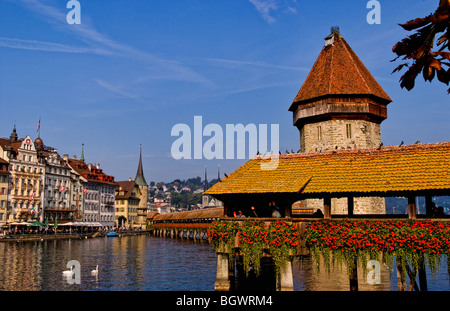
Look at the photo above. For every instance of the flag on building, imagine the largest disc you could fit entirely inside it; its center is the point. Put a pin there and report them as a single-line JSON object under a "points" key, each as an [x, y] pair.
{"points": [[32, 196], [85, 190], [39, 125], [62, 188]]}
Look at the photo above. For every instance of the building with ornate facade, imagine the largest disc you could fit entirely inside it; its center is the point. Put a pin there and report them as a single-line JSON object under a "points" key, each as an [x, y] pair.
{"points": [[128, 196], [98, 192], [26, 178], [57, 185], [76, 194], [36, 184], [4, 189]]}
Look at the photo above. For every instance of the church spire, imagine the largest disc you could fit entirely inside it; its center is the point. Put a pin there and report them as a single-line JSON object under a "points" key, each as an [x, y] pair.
{"points": [[82, 152], [140, 180], [206, 181]]}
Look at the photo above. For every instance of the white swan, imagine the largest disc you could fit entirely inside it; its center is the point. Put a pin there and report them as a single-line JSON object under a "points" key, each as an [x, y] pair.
{"points": [[68, 272], [95, 272]]}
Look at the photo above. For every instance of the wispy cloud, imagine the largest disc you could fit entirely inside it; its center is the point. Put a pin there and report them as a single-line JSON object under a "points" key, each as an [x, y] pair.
{"points": [[35, 45], [85, 31], [267, 7], [115, 89], [97, 43], [248, 89], [264, 7], [236, 63]]}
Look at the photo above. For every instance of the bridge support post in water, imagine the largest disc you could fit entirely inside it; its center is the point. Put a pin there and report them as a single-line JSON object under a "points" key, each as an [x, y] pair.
{"points": [[285, 280], [222, 277]]}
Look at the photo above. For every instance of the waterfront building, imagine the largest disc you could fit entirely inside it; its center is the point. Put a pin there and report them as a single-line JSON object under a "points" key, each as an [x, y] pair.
{"points": [[27, 178], [57, 185], [4, 188], [128, 195], [340, 106], [98, 192], [76, 194], [142, 194]]}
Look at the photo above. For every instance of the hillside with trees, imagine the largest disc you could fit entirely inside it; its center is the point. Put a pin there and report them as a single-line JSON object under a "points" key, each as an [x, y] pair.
{"points": [[181, 194]]}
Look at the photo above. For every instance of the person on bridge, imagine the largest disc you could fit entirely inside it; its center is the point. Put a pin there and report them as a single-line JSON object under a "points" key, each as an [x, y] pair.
{"points": [[275, 209]]}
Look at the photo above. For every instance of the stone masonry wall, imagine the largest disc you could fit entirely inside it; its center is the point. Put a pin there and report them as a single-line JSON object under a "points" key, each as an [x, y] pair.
{"points": [[327, 135], [363, 205], [333, 133]]}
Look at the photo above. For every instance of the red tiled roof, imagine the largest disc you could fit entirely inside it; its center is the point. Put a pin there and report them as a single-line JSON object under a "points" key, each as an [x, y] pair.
{"points": [[387, 170], [4, 142], [151, 215], [127, 188], [338, 71], [94, 174], [15, 145]]}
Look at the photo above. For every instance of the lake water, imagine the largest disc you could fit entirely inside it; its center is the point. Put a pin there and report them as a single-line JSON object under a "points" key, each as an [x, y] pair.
{"points": [[147, 263]]}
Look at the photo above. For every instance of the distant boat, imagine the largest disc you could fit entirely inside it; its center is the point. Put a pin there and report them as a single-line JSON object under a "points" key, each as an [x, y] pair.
{"points": [[112, 234]]}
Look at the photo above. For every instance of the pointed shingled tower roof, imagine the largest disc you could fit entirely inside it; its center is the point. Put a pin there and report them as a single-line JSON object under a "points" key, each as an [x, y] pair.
{"points": [[338, 71], [140, 180]]}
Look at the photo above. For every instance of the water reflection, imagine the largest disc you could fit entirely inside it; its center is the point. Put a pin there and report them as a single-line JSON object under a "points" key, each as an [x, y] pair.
{"points": [[154, 264], [125, 263], [307, 278]]}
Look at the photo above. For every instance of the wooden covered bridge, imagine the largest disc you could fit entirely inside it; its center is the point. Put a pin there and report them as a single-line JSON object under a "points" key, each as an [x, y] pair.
{"points": [[188, 224], [401, 171]]}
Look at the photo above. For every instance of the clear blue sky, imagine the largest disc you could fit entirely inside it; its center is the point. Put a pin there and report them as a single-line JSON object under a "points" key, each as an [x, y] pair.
{"points": [[134, 68]]}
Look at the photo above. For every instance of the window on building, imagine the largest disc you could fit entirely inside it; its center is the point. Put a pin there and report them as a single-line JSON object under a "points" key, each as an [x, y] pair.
{"points": [[349, 130], [319, 132]]}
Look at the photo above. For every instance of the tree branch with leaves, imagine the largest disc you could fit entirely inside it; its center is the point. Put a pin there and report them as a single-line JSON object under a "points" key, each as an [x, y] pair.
{"points": [[429, 57]]}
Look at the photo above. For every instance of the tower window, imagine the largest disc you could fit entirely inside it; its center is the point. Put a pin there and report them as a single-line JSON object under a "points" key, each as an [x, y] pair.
{"points": [[349, 130], [319, 133]]}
